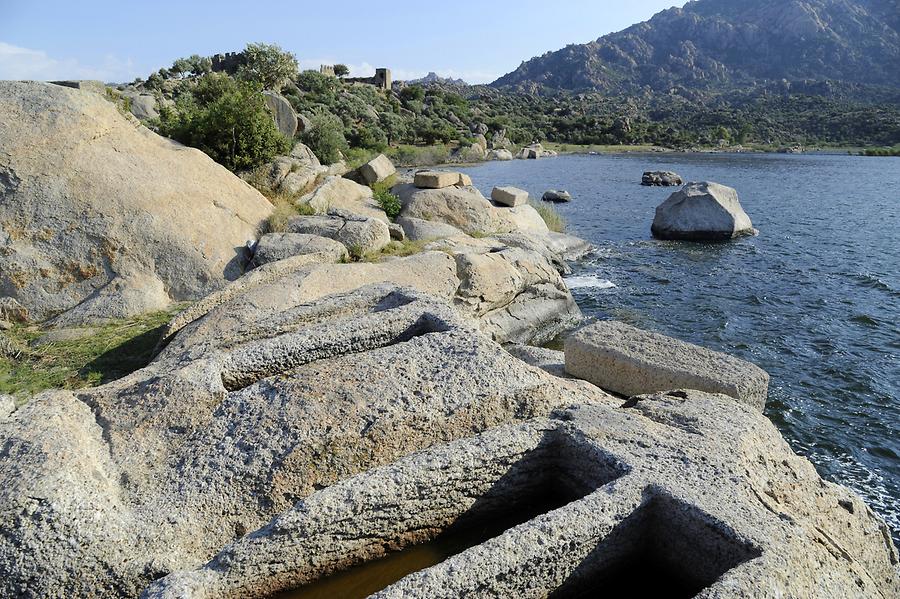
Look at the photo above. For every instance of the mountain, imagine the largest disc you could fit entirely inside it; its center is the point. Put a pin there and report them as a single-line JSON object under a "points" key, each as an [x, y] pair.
{"points": [[433, 78], [713, 44]]}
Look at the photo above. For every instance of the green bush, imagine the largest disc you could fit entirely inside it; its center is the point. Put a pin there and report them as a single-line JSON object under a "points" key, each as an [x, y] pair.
{"points": [[268, 65], [228, 120], [389, 202], [326, 138]]}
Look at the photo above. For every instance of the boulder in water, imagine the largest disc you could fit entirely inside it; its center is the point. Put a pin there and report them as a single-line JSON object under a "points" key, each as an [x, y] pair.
{"points": [[703, 211], [557, 196], [661, 179]]}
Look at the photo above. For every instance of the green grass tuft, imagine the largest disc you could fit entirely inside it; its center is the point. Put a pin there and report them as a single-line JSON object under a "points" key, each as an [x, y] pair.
{"points": [[95, 355], [555, 221]]}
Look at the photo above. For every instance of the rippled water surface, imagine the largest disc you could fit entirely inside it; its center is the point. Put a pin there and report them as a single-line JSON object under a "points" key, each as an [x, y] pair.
{"points": [[814, 299]]}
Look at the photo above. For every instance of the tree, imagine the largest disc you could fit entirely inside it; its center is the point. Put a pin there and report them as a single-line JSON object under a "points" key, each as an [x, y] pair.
{"points": [[341, 70], [200, 65], [326, 138], [268, 65], [228, 120], [181, 67]]}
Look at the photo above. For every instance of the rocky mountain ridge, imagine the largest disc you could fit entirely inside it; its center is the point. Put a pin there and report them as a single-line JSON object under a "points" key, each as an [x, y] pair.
{"points": [[727, 43]]}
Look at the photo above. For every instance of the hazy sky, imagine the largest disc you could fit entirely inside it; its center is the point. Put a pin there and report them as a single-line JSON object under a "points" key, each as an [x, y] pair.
{"points": [[476, 40]]}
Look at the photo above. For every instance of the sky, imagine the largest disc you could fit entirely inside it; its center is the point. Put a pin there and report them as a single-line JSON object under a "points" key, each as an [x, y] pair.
{"points": [[116, 41]]}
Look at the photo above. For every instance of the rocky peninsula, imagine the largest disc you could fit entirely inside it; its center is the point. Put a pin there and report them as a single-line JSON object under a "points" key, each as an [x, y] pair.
{"points": [[354, 384]]}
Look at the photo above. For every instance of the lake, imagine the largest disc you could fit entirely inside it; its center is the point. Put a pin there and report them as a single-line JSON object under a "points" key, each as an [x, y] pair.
{"points": [[814, 299]]}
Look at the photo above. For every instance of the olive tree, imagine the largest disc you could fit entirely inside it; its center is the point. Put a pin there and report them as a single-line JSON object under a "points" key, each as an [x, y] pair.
{"points": [[268, 65]]}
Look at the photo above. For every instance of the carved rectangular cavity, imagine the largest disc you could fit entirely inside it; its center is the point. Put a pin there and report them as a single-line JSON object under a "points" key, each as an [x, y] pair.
{"points": [[666, 548], [555, 473]]}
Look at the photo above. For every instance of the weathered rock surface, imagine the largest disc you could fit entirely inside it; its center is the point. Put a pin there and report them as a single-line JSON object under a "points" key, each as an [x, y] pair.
{"points": [[534, 151], [557, 196], [462, 207], [417, 229], [509, 196], [361, 235], [283, 113], [702, 212], [439, 179], [91, 201], [499, 155], [337, 193], [627, 360], [661, 179], [278, 246], [143, 106], [635, 494], [522, 218], [376, 170], [12, 311]]}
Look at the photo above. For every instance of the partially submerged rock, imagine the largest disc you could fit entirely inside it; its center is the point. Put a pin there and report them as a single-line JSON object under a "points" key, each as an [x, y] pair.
{"points": [[661, 179], [702, 212], [92, 203], [627, 360], [557, 196]]}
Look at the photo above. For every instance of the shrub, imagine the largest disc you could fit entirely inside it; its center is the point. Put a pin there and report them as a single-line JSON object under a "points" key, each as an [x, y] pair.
{"points": [[268, 65], [389, 202], [326, 138], [228, 120], [341, 70], [553, 219]]}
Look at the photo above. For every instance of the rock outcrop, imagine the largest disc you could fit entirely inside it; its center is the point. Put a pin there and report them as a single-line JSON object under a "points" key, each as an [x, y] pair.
{"points": [[93, 206], [462, 207], [279, 246], [337, 193], [376, 170], [627, 360], [501, 154], [283, 113], [361, 235], [534, 151], [661, 179], [702, 212]]}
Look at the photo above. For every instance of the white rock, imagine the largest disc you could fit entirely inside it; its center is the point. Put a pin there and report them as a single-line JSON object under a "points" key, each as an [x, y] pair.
{"points": [[509, 196], [702, 212]]}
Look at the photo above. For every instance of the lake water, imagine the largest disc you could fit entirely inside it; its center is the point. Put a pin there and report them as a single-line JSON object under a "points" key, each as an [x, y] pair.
{"points": [[814, 299]]}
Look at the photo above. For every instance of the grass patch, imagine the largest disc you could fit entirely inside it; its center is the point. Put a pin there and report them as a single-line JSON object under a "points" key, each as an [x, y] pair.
{"points": [[104, 353], [555, 221], [396, 249], [405, 155]]}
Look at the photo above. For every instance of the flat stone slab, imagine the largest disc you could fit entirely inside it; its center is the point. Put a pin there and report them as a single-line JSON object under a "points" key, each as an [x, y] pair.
{"points": [[627, 360], [509, 196], [436, 179]]}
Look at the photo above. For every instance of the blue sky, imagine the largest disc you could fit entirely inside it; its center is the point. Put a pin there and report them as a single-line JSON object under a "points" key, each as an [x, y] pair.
{"points": [[475, 40]]}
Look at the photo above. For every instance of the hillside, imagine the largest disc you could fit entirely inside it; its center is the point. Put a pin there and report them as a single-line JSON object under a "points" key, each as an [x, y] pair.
{"points": [[721, 44]]}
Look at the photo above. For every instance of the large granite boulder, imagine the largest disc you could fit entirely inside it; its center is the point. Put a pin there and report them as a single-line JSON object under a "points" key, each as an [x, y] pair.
{"points": [[509, 196], [627, 360], [361, 235], [338, 193], [440, 179], [283, 113], [702, 212], [462, 207], [417, 229], [143, 106], [376, 170], [279, 246], [501, 154], [98, 212]]}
